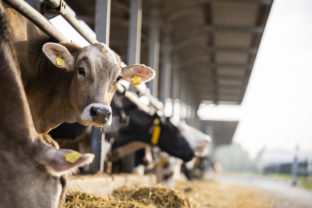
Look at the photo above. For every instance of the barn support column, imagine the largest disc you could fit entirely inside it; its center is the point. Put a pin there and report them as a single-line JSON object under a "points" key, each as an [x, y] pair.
{"points": [[166, 67], [153, 49], [175, 82], [134, 52], [102, 20], [182, 94], [135, 26], [102, 29]]}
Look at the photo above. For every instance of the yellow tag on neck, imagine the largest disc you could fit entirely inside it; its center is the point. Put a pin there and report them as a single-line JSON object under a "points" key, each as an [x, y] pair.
{"points": [[156, 131], [60, 61], [72, 157], [161, 162], [135, 81]]}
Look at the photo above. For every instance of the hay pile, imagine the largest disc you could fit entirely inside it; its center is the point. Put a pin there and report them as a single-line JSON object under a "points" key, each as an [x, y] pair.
{"points": [[130, 197], [84, 200], [155, 196]]}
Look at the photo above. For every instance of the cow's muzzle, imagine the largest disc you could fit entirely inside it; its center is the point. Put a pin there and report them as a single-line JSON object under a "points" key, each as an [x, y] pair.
{"points": [[97, 114]]}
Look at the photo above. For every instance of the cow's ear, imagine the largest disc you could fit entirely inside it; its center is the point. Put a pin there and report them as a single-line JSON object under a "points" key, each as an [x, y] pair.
{"points": [[58, 55], [63, 161], [139, 72]]}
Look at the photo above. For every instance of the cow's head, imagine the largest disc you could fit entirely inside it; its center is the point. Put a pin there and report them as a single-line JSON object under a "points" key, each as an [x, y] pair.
{"points": [[36, 177], [141, 126], [198, 140], [95, 71], [172, 141]]}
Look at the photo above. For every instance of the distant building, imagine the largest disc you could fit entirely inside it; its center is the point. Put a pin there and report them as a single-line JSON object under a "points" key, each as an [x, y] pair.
{"points": [[280, 161]]}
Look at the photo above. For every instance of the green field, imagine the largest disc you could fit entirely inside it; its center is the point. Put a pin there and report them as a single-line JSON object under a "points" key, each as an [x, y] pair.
{"points": [[304, 182]]}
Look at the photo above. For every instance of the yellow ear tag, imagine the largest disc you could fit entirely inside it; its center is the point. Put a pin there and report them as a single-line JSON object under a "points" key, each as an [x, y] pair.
{"points": [[60, 61], [135, 81], [72, 157]]}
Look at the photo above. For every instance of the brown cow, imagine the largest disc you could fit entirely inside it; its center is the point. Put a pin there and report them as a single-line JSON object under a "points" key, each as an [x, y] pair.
{"points": [[67, 83], [31, 172]]}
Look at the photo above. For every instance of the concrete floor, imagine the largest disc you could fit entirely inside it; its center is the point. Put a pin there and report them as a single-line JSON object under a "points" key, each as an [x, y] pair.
{"points": [[289, 196]]}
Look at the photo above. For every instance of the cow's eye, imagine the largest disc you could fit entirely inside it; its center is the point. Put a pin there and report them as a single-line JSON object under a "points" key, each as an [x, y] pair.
{"points": [[81, 71], [118, 78]]}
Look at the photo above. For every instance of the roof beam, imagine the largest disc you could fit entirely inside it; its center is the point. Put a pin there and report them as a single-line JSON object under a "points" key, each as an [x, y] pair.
{"points": [[267, 2], [204, 60], [253, 29], [177, 15], [223, 49], [211, 29]]}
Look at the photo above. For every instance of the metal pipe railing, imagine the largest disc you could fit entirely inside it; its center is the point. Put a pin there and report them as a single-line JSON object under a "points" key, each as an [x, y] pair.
{"points": [[64, 10], [36, 17]]}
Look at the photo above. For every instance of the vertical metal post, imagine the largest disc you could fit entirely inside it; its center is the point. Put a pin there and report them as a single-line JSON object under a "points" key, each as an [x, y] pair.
{"points": [[294, 168], [135, 26], [95, 148], [174, 82], [134, 52], [102, 20], [102, 29], [165, 70], [153, 49]]}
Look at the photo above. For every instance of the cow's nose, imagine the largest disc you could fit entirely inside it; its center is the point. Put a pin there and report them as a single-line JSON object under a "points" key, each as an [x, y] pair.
{"points": [[100, 113]]}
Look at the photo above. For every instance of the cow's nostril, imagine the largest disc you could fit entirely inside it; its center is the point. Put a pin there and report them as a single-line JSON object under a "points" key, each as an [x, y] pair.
{"points": [[108, 114], [93, 111]]}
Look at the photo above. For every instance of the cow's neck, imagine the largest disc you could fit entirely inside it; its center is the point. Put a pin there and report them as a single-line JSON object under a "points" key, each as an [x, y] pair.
{"points": [[16, 126], [51, 89], [127, 137]]}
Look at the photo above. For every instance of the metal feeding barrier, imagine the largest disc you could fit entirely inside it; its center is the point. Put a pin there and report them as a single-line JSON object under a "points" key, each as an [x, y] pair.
{"points": [[60, 7]]}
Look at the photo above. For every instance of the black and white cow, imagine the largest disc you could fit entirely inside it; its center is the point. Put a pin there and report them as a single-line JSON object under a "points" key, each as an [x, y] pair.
{"points": [[140, 128], [169, 171]]}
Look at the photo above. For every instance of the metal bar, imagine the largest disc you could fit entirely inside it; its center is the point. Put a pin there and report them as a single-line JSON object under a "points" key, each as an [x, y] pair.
{"points": [[135, 26], [134, 99], [33, 15], [70, 17], [165, 70], [257, 29], [102, 26], [102, 20], [153, 49]]}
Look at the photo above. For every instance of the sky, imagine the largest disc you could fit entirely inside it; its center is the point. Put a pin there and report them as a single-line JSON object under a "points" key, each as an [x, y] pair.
{"points": [[276, 112]]}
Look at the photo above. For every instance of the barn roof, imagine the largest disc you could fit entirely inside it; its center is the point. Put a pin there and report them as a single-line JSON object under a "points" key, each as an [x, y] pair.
{"points": [[214, 41]]}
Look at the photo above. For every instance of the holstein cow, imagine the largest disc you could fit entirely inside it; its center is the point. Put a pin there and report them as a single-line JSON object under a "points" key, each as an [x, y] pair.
{"points": [[65, 82], [167, 168], [31, 172], [153, 130]]}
